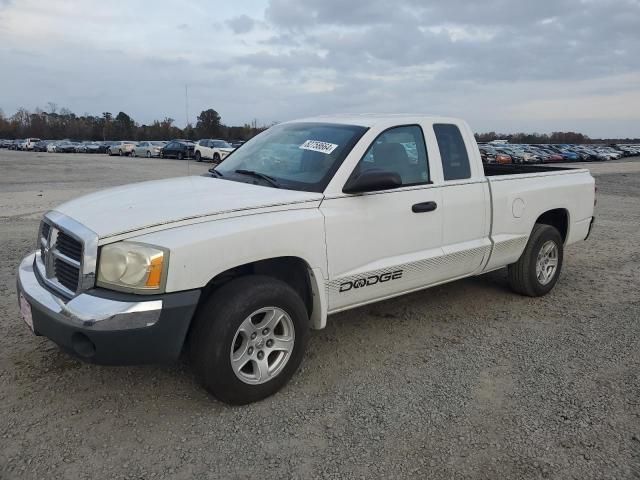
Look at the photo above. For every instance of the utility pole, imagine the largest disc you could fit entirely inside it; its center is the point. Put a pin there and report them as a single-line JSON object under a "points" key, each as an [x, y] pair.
{"points": [[186, 104]]}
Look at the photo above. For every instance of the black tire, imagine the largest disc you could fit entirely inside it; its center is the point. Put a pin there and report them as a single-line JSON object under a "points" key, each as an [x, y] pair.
{"points": [[522, 274], [133, 153], [215, 326], [216, 158], [120, 152], [198, 156], [148, 154], [180, 156], [109, 152]]}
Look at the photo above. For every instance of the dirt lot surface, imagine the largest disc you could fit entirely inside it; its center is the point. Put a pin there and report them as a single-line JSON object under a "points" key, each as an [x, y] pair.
{"points": [[467, 380]]}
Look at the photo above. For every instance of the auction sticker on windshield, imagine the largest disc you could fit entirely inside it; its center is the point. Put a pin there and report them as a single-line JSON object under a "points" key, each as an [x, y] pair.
{"points": [[318, 146]]}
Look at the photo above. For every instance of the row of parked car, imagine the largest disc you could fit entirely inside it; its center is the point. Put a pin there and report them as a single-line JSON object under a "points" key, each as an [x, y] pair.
{"points": [[205, 149], [216, 150], [505, 153]]}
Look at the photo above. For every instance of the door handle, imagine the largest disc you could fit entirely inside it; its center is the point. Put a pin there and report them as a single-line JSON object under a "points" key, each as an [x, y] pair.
{"points": [[424, 207]]}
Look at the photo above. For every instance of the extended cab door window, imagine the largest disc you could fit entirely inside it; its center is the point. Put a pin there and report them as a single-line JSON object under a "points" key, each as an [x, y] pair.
{"points": [[399, 150], [453, 152], [465, 205]]}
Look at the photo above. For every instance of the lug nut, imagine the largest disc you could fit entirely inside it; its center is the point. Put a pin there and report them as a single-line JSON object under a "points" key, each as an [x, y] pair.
{"points": [[265, 331], [250, 351], [254, 335], [260, 355], [269, 343]]}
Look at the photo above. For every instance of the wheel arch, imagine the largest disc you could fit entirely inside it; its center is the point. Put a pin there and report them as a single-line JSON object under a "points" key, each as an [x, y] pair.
{"points": [[558, 218], [294, 271]]}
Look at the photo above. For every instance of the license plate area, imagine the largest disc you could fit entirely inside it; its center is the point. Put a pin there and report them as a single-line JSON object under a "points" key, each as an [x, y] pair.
{"points": [[25, 311]]}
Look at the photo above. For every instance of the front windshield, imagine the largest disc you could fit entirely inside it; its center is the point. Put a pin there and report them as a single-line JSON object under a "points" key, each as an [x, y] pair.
{"points": [[299, 156]]}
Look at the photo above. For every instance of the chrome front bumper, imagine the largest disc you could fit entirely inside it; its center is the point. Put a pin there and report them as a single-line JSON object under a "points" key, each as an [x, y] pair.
{"points": [[85, 310], [106, 327]]}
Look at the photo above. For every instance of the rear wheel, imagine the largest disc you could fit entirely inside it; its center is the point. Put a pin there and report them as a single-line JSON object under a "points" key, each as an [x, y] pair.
{"points": [[248, 338], [133, 153], [180, 156], [198, 156], [538, 268], [148, 154], [109, 152], [120, 152]]}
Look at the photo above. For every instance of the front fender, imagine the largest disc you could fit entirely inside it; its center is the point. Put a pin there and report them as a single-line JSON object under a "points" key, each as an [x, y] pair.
{"points": [[201, 251]]}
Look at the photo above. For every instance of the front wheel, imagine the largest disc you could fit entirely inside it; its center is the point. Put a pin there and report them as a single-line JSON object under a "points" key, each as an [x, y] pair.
{"points": [[216, 158], [133, 153], [148, 154], [538, 268], [198, 157], [180, 156], [249, 338], [120, 153]]}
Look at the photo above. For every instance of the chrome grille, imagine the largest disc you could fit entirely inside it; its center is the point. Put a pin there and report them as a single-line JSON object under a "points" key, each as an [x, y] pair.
{"points": [[69, 246], [62, 258], [66, 274]]}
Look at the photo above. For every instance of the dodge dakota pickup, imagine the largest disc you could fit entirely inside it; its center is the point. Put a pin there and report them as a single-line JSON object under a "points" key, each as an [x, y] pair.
{"points": [[309, 218]]}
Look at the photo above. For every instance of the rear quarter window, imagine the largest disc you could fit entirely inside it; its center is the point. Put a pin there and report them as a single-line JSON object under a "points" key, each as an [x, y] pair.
{"points": [[453, 152]]}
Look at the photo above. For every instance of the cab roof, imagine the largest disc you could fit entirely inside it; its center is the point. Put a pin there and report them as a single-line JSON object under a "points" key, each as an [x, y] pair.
{"points": [[376, 119]]}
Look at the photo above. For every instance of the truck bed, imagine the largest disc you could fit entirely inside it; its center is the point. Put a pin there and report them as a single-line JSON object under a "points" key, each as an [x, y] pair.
{"points": [[492, 170]]}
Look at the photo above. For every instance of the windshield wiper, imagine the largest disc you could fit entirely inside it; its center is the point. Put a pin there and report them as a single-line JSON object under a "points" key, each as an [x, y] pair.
{"points": [[215, 172], [262, 176]]}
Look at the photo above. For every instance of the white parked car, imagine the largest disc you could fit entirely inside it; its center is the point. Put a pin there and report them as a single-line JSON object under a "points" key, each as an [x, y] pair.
{"points": [[28, 143], [147, 149], [214, 150], [307, 219], [121, 147]]}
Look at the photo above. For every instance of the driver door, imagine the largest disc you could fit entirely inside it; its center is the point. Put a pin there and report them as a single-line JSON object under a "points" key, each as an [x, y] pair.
{"points": [[384, 243]]}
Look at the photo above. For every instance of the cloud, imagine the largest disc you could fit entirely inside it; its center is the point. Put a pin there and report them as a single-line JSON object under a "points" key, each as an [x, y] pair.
{"points": [[503, 64], [241, 24]]}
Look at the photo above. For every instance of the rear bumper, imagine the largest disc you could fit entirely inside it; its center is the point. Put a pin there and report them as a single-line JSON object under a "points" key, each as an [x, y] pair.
{"points": [[106, 327], [593, 219]]}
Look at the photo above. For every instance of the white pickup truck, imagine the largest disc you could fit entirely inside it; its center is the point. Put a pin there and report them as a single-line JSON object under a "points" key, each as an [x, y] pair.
{"points": [[309, 218]]}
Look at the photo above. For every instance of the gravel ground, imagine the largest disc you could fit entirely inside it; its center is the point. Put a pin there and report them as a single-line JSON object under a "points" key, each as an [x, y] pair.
{"points": [[466, 380]]}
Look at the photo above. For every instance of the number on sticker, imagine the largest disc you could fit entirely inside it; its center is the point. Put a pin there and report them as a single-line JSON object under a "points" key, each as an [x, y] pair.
{"points": [[318, 146]]}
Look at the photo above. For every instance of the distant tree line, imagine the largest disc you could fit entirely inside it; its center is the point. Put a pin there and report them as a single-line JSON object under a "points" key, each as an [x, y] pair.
{"points": [[555, 137], [54, 124]]}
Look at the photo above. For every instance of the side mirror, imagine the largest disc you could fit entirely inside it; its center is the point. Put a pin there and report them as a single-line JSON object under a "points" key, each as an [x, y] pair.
{"points": [[373, 180]]}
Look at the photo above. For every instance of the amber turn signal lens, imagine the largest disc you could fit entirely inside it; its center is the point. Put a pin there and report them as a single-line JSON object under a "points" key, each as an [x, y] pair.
{"points": [[154, 277]]}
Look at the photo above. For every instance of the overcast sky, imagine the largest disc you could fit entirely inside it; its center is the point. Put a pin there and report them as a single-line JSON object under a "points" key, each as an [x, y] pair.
{"points": [[504, 65]]}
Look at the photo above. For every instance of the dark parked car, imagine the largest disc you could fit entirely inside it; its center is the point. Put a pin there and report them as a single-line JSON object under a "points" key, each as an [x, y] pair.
{"points": [[15, 144], [177, 149], [41, 146], [92, 147], [66, 147], [102, 147]]}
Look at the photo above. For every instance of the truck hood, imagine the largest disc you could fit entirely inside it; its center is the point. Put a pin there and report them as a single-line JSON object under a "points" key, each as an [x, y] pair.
{"points": [[139, 206]]}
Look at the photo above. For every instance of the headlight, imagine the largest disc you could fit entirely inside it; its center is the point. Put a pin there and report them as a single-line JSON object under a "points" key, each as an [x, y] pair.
{"points": [[132, 266]]}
